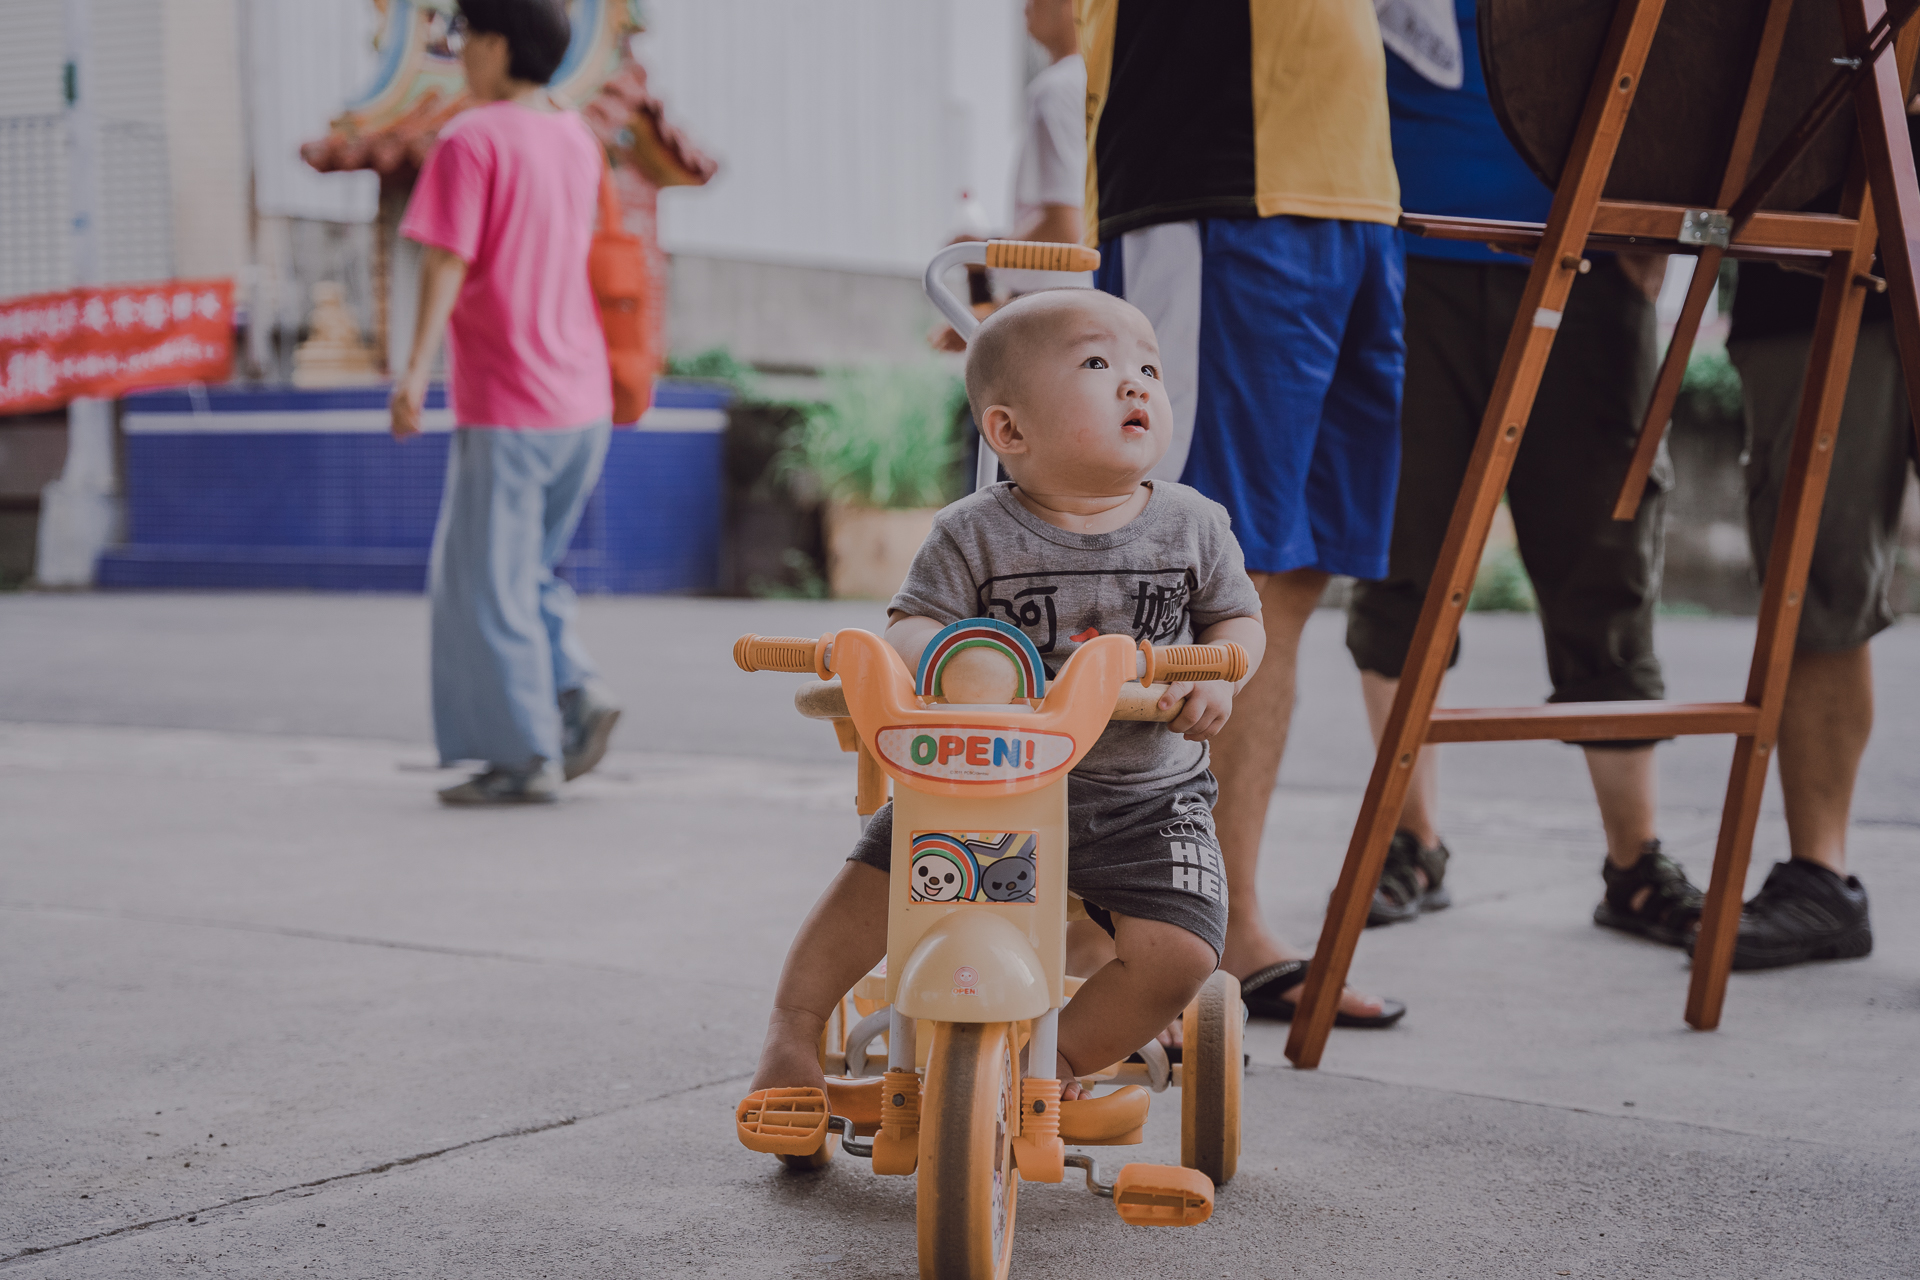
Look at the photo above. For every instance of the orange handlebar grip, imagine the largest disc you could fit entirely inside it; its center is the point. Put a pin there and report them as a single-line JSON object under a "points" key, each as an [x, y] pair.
{"points": [[1174, 663], [782, 653], [1039, 255]]}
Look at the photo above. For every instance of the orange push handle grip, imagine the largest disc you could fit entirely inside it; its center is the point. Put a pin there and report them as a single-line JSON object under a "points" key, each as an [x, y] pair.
{"points": [[1176, 662], [1039, 255], [782, 653]]}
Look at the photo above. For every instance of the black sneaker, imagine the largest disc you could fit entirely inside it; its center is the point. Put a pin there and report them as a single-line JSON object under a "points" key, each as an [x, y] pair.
{"points": [[1400, 896], [1672, 906], [1803, 912]]}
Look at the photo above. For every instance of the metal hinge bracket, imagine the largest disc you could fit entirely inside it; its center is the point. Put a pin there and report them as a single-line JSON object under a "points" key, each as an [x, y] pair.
{"points": [[1705, 227]]}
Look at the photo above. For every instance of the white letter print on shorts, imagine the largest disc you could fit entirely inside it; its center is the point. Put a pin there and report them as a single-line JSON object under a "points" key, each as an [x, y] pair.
{"points": [[1196, 862]]}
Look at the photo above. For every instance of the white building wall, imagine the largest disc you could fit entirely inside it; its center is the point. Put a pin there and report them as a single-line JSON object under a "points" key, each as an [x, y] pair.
{"points": [[34, 255], [845, 129], [306, 60], [206, 155], [137, 213]]}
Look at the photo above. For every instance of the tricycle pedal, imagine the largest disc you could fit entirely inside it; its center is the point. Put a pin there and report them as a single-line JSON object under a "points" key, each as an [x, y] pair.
{"points": [[1162, 1195], [782, 1122]]}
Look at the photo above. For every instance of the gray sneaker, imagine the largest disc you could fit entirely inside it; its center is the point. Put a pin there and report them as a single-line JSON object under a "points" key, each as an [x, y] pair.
{"points": [[587, 717], [507, 786]]}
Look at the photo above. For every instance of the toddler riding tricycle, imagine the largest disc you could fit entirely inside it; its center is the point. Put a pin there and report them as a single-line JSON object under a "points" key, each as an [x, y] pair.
{"points": [[968, 997]]}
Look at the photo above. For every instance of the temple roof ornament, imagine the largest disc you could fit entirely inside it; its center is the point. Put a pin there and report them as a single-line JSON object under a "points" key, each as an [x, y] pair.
{"points": [[419, 86]]}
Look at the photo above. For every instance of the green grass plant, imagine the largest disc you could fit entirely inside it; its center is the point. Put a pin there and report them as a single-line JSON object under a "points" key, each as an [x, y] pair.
{"points": [[884, 436]]}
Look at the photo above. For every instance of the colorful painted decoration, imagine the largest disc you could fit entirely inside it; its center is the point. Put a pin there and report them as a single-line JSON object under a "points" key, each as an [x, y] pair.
{"points": [[420, 79], [971, 633], [943, 869], [973, 866]]}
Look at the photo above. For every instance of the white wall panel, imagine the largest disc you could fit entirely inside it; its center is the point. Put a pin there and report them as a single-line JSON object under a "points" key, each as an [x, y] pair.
{"points": [[206, 150], [32, 52], [844, 128], [130, 105], [307, 59]]}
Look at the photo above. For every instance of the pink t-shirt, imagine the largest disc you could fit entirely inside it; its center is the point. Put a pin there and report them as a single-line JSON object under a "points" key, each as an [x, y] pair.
{"points": [[514, 192]]}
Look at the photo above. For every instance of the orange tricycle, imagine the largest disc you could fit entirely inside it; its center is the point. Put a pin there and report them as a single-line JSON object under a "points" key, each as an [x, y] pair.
{"points": [[977, 746]]}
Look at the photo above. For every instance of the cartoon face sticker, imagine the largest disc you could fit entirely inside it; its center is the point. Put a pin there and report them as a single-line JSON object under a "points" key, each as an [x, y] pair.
{"points": [[1009, 878], [943, 870]]}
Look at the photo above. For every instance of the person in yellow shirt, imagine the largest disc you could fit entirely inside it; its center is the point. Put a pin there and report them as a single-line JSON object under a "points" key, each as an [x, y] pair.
{"points": [[1241, 190]]}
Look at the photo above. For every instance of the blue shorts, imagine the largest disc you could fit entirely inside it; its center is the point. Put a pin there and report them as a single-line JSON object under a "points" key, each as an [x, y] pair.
{"points": [[1283, 351]]}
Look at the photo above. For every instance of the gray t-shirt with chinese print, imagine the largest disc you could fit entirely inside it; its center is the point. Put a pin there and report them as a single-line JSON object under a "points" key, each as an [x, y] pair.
{"points": [[1173, 570]]}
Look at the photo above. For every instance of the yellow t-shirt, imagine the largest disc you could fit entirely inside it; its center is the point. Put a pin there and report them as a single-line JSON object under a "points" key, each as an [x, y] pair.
{"points": [[1234, 108]]}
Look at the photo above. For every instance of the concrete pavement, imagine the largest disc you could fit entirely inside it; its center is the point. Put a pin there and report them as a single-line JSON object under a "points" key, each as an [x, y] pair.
{"points": [[256, 981]]}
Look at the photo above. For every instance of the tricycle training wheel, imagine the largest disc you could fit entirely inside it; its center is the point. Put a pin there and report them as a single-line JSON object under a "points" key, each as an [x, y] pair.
{"points": [[1211, 1067], [969, 1116]]}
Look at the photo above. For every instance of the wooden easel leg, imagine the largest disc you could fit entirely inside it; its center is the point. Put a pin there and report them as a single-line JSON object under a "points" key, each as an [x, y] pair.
{"points": [[1885, 154], [1881, 115], [1706, 271], [1554, 267], [1821, 399]]}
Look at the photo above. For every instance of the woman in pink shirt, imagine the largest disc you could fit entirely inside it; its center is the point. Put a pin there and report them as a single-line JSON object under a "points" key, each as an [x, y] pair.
{"points": [[504, 210]]}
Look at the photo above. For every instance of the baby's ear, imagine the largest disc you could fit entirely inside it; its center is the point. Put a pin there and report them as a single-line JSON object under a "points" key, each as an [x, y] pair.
{"points": [[1001, 432]]}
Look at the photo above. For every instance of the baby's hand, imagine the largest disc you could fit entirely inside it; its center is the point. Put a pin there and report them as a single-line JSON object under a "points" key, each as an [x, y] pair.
{"points": [[1209, 703]]}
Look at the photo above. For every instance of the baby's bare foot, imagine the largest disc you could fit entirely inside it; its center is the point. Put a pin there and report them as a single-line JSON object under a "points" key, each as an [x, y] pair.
{"points": [[790, 1059], [1070, 1087]]}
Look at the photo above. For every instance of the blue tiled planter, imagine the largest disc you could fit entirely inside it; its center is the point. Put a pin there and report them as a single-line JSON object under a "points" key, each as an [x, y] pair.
{"points": [[245, 488]]}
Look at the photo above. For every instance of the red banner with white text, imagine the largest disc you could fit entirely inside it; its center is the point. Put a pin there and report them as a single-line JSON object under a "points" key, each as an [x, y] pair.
{"points": [[108, 340]]}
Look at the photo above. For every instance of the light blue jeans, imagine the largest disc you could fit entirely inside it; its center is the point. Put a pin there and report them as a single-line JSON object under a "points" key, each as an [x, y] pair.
{"points": [[504, 642]]}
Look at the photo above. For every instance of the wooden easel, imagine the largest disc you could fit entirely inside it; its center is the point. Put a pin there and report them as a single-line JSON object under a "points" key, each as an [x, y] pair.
{"points": [[1882, 169]]}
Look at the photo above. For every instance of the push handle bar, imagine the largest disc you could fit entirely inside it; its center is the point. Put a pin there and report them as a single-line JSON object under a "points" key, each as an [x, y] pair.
{"points": [[1041, 255], [783, 653], [1031, 255], [1171, 664]]}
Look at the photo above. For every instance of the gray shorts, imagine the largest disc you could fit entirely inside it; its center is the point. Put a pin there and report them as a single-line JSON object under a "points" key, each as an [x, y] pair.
{"points": [[1858, 543], [1148, 854]]}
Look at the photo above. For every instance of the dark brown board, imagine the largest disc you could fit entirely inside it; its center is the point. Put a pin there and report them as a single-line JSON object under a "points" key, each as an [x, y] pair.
{"points": [[1540, 56]]}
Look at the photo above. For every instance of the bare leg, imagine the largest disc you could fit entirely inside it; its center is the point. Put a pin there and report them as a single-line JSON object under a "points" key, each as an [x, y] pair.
{"points": [[1246, 760], [1824, 728], [1628, 792], [1089, 949], [843, 937], [1157, 968]]}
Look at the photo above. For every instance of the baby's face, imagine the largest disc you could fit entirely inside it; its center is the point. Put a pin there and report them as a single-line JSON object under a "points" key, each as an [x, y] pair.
{"points": [[1092, 406]]}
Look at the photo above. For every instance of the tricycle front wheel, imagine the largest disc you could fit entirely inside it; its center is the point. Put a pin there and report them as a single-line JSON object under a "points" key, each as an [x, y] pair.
{"points": [[969, 1117]]}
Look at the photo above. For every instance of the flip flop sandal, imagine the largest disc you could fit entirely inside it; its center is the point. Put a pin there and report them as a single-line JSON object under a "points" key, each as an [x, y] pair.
{"points": [[1261, 992]]}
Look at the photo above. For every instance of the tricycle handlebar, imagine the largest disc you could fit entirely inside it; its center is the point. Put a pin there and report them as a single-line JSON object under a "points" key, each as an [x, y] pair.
{"points": [[1172, 664], [1168, 664], [783, 653]]}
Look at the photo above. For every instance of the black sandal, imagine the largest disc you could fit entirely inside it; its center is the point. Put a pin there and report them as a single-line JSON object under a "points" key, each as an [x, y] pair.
{"points": [[1671, 911], [1402, 895], [1261, 992]]}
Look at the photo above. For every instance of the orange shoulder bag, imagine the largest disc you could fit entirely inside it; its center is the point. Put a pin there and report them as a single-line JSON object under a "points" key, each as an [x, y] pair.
{"points": [[618, 272]]}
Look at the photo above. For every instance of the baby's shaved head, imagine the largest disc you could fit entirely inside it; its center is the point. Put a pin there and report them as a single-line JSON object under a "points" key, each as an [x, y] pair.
{"points": [[1003, 347]]}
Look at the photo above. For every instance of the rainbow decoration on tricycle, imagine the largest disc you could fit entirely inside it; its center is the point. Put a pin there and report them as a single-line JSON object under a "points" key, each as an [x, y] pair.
{"points": [[988, 633]]}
